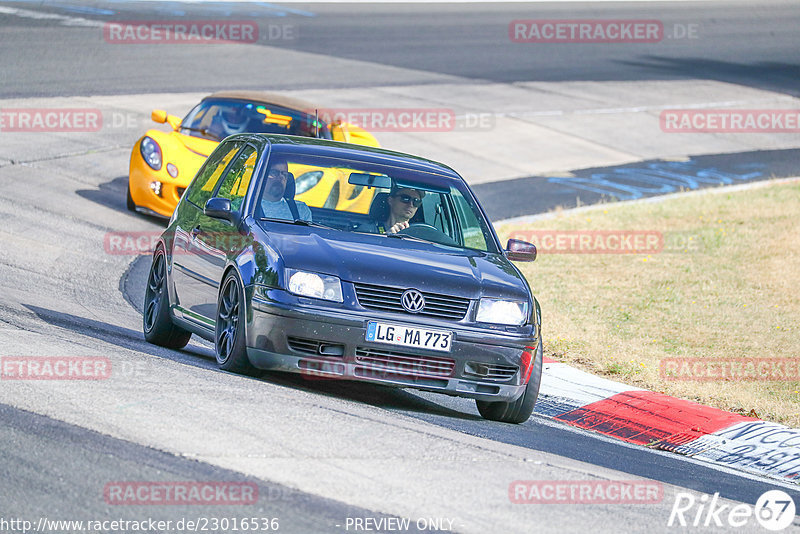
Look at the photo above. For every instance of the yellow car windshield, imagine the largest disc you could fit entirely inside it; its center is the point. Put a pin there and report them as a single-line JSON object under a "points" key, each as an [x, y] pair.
{"points": [[216, 119]]}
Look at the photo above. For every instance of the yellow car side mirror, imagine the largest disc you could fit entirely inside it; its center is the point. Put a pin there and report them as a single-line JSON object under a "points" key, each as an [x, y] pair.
{"points": [[160, 116], [358, 135]]}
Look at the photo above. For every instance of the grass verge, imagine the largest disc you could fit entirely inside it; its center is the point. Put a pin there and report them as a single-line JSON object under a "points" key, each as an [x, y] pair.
{"points": [[726, 285]]}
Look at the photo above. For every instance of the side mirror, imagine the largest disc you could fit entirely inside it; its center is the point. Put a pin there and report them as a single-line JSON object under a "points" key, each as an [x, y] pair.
{"points": [[220, 208], [359, 136], [160, 116], [336, 132], [517, 250]]}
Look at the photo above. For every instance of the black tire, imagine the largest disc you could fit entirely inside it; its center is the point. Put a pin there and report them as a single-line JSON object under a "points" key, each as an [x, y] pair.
{"points": [[156, 323], [521, 409], [229, 335], [129, 200]]}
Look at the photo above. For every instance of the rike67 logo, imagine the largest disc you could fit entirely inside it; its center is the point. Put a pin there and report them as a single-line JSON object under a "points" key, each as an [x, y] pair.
{"points": [[774, 510]]}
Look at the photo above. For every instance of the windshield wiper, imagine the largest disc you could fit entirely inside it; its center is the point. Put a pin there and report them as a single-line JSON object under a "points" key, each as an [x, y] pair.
{"points": [[411, 237], [202, 131], [299, 222], [303, 222], [422, 240]]}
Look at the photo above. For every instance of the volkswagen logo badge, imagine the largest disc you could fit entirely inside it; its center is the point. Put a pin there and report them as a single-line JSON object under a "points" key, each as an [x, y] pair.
{"points": [[413, 301]]}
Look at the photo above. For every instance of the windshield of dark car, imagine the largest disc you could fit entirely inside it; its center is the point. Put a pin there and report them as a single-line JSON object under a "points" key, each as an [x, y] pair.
{"points": [[324, 194], [216, 119]]}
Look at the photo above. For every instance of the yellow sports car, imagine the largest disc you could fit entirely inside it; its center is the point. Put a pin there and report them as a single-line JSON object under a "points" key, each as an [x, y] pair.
{"points": [[163, 163], [329, 188]]}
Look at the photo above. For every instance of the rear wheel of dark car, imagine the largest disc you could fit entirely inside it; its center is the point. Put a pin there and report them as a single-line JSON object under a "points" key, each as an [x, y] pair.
{"points": [[520, 410], [156, 323], [129, 200], [229, 335]]}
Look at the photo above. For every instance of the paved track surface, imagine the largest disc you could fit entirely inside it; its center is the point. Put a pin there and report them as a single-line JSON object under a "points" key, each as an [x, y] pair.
{"points": [[53, 490], [737, 42]]}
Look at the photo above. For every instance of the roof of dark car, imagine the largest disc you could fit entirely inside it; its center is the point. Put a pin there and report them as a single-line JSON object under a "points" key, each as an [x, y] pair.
{"points": [[326, 147], [265, 97]]}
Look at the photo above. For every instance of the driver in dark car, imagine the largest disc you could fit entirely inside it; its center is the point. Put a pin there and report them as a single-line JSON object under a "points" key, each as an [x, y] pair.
{"points": [[403, 204]]}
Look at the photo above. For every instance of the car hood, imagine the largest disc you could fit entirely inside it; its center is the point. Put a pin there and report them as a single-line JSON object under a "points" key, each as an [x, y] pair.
{"points": [[201, 147], [379, 260]]}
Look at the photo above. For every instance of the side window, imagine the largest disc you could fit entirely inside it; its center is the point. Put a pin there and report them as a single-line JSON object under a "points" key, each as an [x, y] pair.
{"points": [[238, 178], [473, 230], [203, 185]]}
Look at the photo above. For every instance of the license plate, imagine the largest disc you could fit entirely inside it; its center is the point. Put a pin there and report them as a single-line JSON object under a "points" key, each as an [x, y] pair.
{"points": [[409, 336]]}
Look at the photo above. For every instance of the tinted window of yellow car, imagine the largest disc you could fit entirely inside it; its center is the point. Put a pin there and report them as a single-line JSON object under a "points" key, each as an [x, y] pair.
{"points": [[206, 180], [238, 178]]}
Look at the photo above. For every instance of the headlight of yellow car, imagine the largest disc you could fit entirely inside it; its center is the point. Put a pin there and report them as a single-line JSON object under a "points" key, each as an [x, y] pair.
{"points": [[306, 181], [151, 152]]}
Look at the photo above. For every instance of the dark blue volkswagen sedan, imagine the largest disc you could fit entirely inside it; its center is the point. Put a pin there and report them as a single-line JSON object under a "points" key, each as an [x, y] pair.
{"points": [[415, 291]]}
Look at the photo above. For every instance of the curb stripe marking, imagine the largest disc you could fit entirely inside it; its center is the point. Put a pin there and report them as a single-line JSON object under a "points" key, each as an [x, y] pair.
{"points": [[576, 388], [649, 418]]}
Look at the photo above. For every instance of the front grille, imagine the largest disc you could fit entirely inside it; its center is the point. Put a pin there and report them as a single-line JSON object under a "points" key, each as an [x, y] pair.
{"points": [[388, 299], [488, 371], [403, 363]]}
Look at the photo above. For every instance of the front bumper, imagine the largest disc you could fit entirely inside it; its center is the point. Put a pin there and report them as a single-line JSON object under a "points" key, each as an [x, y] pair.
{"points": [[323, 343], [140, 175]]}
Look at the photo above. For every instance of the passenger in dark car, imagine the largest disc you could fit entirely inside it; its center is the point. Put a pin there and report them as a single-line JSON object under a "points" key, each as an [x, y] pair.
{"points": [[277, 201]]}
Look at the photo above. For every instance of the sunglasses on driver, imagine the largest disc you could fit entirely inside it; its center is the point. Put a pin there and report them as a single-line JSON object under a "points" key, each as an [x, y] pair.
{"points": [[408, 199]]}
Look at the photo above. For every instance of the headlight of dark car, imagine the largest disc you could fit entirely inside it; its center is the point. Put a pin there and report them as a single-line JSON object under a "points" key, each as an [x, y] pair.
{"points": [[499, 311], [314, 285], [151, 152]]}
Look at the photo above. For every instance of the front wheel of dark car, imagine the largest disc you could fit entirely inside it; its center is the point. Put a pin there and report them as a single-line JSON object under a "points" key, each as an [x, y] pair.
{"points": [[229, 335], [156, 323], [520, 410]]}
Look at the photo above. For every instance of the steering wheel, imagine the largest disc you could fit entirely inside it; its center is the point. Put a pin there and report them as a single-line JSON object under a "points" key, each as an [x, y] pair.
{"points": [[428, 232]]}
